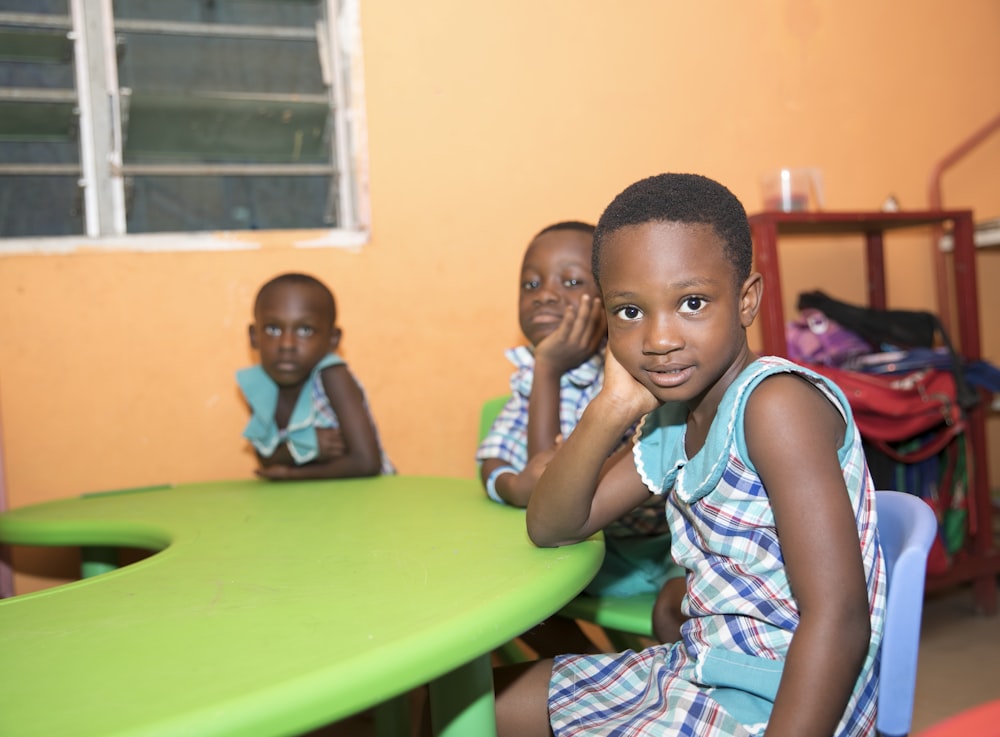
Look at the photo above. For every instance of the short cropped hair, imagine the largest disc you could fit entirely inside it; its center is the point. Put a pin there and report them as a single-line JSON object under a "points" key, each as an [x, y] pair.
{"points": [[567, 225], [681, 198], [296, 279]]}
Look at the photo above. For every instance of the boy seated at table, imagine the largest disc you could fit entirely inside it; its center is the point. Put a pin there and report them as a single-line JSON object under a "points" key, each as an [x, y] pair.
{"points": [[555, 377], [310, 417]]}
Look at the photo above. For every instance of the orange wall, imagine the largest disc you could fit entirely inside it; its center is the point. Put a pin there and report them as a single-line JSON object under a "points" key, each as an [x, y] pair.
{"points": [[487, 121]]}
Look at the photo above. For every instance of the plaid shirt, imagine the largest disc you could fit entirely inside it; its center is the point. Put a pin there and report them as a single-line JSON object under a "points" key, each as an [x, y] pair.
{"points": [[507, 439]]}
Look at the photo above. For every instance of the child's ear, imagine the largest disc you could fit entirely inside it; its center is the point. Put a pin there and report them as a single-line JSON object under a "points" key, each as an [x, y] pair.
{"points": [[253, 336], [750, 294], [335, 335]]}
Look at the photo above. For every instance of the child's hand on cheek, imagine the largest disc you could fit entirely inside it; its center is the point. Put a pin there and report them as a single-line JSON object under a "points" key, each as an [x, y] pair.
{"points": [[576, 339], [623, 392]]}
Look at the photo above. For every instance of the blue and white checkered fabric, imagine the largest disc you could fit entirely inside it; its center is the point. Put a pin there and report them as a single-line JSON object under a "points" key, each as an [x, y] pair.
{"points": [[722, 677]]}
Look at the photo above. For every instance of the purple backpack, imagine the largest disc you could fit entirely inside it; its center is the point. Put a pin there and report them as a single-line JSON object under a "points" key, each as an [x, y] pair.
{"points": [[815, 338]]}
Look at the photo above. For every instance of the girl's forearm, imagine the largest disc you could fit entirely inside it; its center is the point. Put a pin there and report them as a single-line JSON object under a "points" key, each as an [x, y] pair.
{"points": [[819, 675], [561, 506]]}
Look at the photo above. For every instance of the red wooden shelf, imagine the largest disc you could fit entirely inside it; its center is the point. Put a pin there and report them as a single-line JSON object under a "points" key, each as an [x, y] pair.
{"points": [[979, 563]]}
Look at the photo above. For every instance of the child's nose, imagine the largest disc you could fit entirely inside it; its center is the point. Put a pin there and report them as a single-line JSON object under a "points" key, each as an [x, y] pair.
{"points": [[547, 292], [661, 336]]}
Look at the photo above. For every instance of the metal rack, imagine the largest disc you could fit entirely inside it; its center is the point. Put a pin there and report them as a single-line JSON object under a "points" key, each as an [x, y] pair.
{"points": [[979, 561]]}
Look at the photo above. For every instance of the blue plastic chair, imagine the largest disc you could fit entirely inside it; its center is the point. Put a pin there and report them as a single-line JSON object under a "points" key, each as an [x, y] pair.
{"points": [[906, 528]]}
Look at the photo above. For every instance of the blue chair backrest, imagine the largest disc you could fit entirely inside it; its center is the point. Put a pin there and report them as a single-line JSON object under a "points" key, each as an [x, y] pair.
{"points": [[906, 529]]}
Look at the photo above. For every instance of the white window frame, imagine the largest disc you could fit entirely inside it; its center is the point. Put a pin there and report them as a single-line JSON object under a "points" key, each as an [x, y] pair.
{"points": [[101, 157]]}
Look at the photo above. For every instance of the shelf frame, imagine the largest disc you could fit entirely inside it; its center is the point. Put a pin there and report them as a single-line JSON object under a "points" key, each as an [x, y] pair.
{"points": [[979, 562]]}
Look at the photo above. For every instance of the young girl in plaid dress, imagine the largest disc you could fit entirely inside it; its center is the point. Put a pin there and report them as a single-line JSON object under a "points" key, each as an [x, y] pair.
{"points": [[770, 503]]}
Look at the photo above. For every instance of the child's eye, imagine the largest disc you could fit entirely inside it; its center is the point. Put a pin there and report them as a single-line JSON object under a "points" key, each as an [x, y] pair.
{"points": [[692, 304], [572, 282], [305, 331], [628, 312], [529, 285], [273, 330]]}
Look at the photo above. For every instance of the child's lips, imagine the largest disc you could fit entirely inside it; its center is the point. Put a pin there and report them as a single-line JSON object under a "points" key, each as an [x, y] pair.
{"points": [[546, 318], [668, 377]]}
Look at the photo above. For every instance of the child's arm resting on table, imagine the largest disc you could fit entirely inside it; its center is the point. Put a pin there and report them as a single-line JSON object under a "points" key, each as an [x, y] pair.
{"points": [[793, 433], [512, 486], [361, 455], [582, 490]]}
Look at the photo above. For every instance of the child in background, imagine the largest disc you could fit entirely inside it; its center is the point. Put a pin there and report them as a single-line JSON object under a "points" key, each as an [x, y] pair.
{"points": [[310, 416], [770, 503], [561, 316]]}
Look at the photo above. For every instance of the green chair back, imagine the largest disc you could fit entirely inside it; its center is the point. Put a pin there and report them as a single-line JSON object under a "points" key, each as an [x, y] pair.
{"points": [[491, 408], [623, 619]]}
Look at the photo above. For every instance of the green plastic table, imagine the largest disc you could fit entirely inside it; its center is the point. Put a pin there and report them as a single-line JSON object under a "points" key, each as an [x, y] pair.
{"points": [[275, 608]]}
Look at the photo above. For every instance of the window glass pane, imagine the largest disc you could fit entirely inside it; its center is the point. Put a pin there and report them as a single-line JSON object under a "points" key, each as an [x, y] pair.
{"points": [[39, 121], [28, 119], [284, 13], [203, 57], [36, 57], [39, 206], [197, 115], [217, 128], [159, 204], [55, 7], [234, 82]]}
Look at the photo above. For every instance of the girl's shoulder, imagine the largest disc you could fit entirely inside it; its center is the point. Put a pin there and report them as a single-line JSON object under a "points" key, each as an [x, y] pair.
{"points": [[659, 450], [767, 366], [330, 359]]}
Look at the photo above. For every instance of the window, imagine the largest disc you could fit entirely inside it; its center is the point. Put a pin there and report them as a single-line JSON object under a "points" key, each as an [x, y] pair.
{"points": [[145, 116]]}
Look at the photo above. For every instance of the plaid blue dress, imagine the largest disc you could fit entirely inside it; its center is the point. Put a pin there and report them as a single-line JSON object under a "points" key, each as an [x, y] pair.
{"points": [[720, 680], [312, 410]]}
